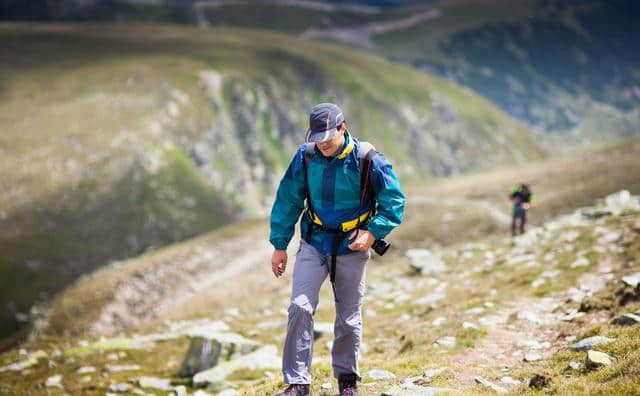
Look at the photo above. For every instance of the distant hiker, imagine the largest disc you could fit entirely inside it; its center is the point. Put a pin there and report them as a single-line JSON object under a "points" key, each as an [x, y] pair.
{"points": [[522, 199], [341, 180]]}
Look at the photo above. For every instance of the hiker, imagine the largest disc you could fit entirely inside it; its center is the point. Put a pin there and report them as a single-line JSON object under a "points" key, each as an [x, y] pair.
{"points": [[341, 222], [522, 199]]}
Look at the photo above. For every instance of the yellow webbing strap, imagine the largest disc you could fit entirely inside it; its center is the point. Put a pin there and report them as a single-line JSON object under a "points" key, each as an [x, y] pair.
{"points": [[347, 225], [351, 224]]}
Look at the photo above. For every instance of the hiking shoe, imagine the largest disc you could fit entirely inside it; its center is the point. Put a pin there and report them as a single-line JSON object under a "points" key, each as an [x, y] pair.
{"points": [[348, 387], [295, 390]]}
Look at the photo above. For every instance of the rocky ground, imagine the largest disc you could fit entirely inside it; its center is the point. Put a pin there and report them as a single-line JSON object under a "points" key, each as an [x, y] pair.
{"points": [[556, 309]]}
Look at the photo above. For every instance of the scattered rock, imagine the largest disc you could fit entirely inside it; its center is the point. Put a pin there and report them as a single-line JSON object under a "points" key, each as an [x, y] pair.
{"points": [[438, 321], [378, 374], [120, 388], [424, 262], [448, 341], [414, 390], [531, 357], [571, 315], [263, 358], [201, 355], [468, 325], [575, 365], [509, 380], [181, 390], [430, 299], [114, 368], [155, 383], [627, 319], [54, 381], [539, 381], [620, 202], [580, 262], [490, 385], [597, 359], [86, 370], [530, 316], [32, 360], [590, 342], [327, 386], [475, 310], [228, 392], [632, 280], [321, 328], [537, 283]]}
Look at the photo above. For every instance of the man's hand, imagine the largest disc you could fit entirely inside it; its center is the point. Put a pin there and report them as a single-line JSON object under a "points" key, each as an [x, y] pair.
{"points": [[363, 240], [279, 262]]}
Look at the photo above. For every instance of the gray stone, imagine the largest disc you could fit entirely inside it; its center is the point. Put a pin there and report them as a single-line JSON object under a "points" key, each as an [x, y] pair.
{"points": [[575, 365], [181, 390], [448, 342], [590, 342], [327, 386], [632, 280], [86, 370], [509, 381], [54, 381], [430, 298], [263, 358], [201, 355], [469, 325], [597, 359], [228, 392], [530, 316], [437, 322], [627, 319], [115, 368], [120, 388], [30, 361], [425, 262], [415, 390], [490, 385], [580, 262], [155, 383], [532, 357], [321, 328], [378, 374]]}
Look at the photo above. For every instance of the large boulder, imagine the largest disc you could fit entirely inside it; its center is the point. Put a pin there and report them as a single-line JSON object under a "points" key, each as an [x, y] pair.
{"points": [[263, 358], [202, 355]]}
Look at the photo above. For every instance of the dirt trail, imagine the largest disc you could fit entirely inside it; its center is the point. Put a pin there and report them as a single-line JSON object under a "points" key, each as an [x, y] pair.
{"points": [[525, 327], [156, 290], [494, 210], [361, 36]]}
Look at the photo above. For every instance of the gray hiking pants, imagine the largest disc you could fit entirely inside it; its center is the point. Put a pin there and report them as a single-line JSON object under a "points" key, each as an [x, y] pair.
{"points": [[311, 269]]}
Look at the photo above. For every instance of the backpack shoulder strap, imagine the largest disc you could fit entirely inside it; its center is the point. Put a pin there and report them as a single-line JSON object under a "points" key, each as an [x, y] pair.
{"points": [[309, 150], [366, 152]]}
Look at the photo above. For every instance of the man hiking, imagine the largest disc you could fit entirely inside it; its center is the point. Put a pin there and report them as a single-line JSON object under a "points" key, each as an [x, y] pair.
{"points": [[522, 199], [353, 199]]}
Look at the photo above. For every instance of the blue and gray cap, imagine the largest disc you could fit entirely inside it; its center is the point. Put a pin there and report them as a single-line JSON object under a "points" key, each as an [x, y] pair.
{"points": [[324, 119]]}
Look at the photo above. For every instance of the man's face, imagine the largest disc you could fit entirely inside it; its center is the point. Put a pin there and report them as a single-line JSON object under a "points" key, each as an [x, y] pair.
{"points": [[330, 147]]}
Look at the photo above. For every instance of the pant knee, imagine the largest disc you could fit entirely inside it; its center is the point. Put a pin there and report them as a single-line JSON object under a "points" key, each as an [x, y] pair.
{"points": [[301, 305]]}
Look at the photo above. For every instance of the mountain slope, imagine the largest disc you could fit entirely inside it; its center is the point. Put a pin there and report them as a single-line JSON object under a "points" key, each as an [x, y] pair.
{"points": [[567, 67], [118, 140]]}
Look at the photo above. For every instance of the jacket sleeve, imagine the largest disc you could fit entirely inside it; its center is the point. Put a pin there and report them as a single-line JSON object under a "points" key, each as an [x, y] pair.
{"points": [[389, 196], [289, 202]]}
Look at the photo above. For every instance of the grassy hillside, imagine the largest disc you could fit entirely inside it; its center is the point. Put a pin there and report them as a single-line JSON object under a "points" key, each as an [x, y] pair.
{"points": [[567, 67], [118, 140], [500, 300]]}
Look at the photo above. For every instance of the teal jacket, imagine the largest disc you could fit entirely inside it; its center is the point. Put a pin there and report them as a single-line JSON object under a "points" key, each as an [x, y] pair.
{"points": [[334, 186]]}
